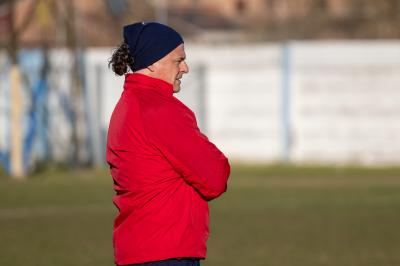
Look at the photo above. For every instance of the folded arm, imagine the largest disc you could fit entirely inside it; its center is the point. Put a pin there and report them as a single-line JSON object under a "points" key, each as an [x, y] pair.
{"points": [[175, 133]]}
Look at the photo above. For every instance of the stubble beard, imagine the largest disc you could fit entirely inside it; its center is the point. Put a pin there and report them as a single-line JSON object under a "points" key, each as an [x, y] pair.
{"points": [[177, 86]]}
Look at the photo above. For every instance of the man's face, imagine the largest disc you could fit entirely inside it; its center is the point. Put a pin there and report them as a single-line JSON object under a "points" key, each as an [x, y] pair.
{"points": [[171, 67]]}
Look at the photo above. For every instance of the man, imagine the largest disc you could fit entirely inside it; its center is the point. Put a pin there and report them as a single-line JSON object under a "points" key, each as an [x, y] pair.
{"points": [[164, 169]]}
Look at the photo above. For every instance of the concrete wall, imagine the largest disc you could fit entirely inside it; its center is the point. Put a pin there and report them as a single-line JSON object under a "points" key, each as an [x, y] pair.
{"points": [[323, 102], [345, 102], [305, 102]]}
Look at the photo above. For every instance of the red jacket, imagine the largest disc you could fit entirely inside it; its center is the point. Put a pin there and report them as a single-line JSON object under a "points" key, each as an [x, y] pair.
{"points": [[164, 171]]}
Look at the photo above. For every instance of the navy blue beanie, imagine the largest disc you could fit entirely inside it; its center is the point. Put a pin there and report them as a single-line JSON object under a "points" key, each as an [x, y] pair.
{"points": [[149, 42]]}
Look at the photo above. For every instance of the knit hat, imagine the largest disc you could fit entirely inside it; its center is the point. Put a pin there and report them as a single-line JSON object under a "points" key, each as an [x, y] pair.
{"points": [[149, 42]]}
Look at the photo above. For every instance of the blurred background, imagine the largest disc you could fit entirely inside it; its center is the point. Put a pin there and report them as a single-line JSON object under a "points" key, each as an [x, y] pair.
{"points": [[303, 96]]}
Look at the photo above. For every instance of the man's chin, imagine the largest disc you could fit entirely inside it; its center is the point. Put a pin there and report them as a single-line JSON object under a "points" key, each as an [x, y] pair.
{"points": [[177, 86], [177, 89]]}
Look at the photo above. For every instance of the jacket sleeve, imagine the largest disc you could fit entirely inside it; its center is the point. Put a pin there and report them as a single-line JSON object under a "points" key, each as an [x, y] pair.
{"points": [[174, 131]]}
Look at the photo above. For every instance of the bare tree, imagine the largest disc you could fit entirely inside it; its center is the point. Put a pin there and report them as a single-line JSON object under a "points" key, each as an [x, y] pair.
{"points": [[78, 123], [12, 47]]}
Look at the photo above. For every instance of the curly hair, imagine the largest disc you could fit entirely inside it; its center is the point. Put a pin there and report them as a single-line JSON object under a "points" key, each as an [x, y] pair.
{"points": [[121, 61]]}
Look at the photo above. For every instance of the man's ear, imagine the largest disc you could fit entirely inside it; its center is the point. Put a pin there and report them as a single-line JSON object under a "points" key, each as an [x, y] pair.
{"points": [[151, 68]]}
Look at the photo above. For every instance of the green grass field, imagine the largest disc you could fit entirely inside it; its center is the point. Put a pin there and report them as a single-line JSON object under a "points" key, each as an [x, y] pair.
{"points": [[278, 216]]}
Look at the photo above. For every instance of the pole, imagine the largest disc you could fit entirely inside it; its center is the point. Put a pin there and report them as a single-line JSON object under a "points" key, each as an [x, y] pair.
{"points": [[285, 104], [16, 149], [17, 170]]}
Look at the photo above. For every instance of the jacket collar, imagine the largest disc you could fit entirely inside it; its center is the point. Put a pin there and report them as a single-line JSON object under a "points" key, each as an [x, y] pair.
{"points": [[137, 80]]}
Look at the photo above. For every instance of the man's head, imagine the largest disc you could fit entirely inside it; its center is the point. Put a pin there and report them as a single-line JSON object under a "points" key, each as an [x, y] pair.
{"points": [[170, 68], [157, 51]]}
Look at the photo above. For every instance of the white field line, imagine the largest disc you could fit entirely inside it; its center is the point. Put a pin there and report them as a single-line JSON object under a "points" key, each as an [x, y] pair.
{"points": [[326, 183], [53, 210]]}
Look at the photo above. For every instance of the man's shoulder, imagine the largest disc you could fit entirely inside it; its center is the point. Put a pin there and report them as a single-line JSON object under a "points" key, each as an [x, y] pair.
{"points": [[156, 110], [170, 111]]}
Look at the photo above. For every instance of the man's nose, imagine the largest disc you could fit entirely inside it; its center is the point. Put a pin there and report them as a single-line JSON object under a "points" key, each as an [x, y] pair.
{"points": [[184, 67]]}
